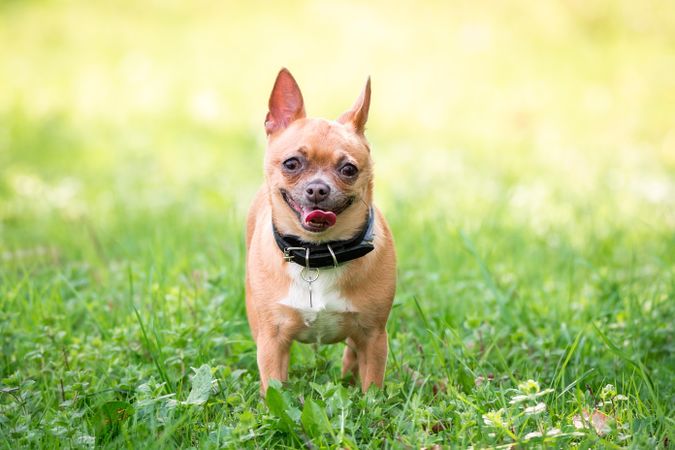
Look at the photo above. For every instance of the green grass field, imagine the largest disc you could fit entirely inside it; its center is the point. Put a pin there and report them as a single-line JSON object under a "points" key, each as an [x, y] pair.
{"points": [[525, 159]]}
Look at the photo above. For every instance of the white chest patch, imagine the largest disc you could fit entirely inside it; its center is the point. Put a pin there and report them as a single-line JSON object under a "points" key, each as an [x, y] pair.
{"points": [[323, 317]]}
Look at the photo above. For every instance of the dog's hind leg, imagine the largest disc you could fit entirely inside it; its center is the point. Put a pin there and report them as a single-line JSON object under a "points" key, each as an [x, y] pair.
{"points": [[349, 360], [371, 358]]}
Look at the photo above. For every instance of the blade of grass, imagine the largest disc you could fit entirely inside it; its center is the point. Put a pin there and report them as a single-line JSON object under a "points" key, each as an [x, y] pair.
{"points": [[169, 387]]}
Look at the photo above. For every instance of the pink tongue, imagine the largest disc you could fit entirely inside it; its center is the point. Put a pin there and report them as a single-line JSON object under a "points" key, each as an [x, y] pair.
{"points": [[319, 216]]}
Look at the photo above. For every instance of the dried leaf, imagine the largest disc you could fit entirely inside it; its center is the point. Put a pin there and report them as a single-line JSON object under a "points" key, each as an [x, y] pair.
{"points": [[598, 419]]}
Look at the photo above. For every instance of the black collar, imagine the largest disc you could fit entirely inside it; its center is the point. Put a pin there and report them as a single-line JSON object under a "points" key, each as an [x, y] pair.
{"points": [[327, 254]]}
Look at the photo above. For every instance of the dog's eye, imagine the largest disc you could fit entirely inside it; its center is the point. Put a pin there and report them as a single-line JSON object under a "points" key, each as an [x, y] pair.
{"points": [[348, 170], [292, 164]]}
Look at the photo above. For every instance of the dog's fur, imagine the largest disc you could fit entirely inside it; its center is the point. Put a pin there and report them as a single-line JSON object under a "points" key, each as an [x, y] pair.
{"points": [[351, 302]]}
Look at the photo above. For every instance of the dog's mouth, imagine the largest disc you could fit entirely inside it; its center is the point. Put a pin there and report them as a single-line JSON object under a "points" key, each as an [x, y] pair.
{"points": [[313, 217]]}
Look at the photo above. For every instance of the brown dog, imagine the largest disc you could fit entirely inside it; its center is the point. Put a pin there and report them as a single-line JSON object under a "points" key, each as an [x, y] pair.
{"points": [[321, 265]]}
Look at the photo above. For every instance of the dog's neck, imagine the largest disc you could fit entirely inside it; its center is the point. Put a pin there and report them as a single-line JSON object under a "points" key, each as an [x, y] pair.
{"points": [[327, 254]]}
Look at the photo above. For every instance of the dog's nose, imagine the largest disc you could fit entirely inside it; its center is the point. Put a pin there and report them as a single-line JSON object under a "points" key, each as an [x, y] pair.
{"points": [[317, 191]]}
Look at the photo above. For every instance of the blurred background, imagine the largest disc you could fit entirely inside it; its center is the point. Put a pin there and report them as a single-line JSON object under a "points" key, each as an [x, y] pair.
{"points": [[552, 117]]}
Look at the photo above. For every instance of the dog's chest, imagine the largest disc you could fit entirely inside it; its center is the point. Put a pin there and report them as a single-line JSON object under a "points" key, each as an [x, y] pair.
{"points": [[324, 317]]}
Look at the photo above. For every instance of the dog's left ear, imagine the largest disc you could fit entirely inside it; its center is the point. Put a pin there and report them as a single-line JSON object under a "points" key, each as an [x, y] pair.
{"points": [[357, 116]]}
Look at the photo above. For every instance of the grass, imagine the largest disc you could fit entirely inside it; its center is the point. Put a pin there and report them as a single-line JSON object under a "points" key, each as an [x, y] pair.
{"points": [[524, 159]]}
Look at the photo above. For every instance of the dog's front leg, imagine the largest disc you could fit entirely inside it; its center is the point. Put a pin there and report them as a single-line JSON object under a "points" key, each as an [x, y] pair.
{"points": [[371, 353], [273, 357]]}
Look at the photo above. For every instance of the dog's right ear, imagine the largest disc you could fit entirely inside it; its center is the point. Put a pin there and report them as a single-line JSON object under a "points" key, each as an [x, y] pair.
{"points": [[285, 105]]}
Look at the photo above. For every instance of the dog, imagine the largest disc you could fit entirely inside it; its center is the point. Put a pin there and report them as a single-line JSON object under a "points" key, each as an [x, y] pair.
{"points": [[321, 263]]}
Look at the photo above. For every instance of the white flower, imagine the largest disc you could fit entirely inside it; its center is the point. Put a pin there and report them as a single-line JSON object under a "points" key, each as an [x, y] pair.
{"points": [[521, 398], [518, 399], [494, 418], [529, 386], [608, 391], [536, 409], [534, 434]]}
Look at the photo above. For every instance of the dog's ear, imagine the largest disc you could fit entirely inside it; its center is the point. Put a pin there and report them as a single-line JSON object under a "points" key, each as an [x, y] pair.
{"points": [[285, 103], [357, 116]]}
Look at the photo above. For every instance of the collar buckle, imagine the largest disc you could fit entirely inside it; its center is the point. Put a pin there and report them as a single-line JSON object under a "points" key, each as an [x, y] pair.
{"points": [[288, 257]]}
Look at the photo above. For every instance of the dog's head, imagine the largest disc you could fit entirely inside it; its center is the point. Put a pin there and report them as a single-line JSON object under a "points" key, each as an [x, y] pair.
{"points": [[318, 171]]}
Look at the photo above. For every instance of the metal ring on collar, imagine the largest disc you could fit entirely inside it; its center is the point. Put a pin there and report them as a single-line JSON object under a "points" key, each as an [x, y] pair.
{"points": [[309, 275], [332, 253]]}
